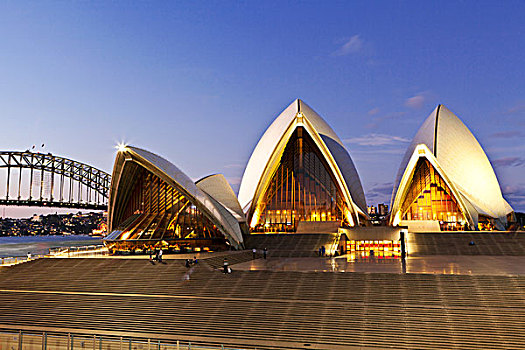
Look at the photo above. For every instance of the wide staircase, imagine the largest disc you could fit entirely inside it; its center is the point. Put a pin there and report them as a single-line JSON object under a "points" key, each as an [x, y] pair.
{"points": [[291, 244], [264, 309], [233, 258], [459, 243], [318, 226]]}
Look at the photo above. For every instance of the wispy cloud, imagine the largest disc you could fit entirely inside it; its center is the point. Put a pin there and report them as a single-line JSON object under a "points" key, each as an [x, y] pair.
{"points": [[507, 134], [520, 108], [515, 194], [509, 148], [376, 140], [416, 102], [235, 183], [382, 188], [514, 190], [379, 151], [376, 121], [509, 162], [234, 166], [373, 111], [352, 45], [379, 192], [234, 180]]}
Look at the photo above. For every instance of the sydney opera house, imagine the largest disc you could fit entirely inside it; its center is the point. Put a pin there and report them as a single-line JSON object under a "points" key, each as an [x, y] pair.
{"points": [[300, 175]]}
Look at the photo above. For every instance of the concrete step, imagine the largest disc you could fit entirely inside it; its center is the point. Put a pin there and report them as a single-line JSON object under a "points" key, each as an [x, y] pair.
{"points": [[265, 309], [318, 227]]}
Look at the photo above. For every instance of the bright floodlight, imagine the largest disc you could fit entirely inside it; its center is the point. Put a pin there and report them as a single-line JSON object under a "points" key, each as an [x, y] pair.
{"points": [[121, 147]]}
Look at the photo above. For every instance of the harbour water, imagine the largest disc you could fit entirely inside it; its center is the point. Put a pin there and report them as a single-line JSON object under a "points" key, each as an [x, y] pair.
{"points": [[20, 246]]}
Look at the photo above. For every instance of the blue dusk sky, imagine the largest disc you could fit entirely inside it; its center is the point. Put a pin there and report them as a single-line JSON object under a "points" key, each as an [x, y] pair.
{"points": [[198, 82]]}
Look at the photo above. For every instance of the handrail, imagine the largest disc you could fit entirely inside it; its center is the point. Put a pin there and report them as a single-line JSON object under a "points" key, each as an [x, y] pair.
{"points": [[14, 260], [61, 252], [335, 244], [79, 251], [17, 338]]}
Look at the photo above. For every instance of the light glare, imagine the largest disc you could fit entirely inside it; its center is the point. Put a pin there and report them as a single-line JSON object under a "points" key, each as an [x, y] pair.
{"points": [[121, 147]]}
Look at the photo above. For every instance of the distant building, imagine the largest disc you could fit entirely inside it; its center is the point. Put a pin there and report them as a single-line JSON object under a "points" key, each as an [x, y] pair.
{"points": [[520, 218], [382, 209], [371, 210]]}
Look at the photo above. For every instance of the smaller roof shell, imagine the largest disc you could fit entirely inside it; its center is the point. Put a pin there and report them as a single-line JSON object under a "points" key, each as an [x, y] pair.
{"points": [[219, 189]]}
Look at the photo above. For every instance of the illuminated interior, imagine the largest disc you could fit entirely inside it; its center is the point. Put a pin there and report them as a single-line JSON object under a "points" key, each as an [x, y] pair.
{"points": [[486, 223], [156, 214], [429, 198], [301, 189], [381, 249]]}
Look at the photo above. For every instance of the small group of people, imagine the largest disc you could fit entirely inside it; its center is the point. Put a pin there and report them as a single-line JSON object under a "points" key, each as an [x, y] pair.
{"points": [[189, 262], [157, 257], [322, 251], [254, 253]]}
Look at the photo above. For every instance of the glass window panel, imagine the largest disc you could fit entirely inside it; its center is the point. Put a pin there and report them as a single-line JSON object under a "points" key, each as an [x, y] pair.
{"points": [[429, 198], [156, 212]]}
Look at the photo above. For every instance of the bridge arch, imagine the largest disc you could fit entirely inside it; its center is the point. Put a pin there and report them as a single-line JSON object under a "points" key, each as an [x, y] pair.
{"points": [[46, 180]]}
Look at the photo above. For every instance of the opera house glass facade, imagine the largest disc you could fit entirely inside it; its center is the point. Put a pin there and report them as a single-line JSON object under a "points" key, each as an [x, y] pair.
{"points": [[301, 189], [154, 205], [446, 182], [300, 171], [430, 198]]}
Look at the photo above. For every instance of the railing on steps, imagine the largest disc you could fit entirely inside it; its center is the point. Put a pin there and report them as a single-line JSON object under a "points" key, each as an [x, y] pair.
{"points": [[79, 252], [91, 251], [335, 244], [15, 260], [34, 340]]}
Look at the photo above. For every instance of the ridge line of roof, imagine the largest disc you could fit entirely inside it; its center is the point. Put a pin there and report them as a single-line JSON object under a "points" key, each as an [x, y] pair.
{"points": [[205, 177], [436, 130]]}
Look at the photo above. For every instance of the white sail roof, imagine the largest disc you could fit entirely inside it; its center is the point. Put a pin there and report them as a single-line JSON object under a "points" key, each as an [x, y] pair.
{"points": [[219, 189], [272, 143], [462, 159], [172, 175]]}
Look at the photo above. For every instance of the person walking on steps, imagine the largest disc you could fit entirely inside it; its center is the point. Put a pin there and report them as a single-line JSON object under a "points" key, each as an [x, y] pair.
{"points": [[265, 252], [225, 267], [160, 255], [254, 251]]}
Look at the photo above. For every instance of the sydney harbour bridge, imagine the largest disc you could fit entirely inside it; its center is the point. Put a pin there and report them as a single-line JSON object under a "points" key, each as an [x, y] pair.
{"points": [[46, 180]]}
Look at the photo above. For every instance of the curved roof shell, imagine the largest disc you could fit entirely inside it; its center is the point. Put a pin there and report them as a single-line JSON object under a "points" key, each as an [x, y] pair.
{"points": [[219, 189], [126, 163], [462, 160], [268, 151]]}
